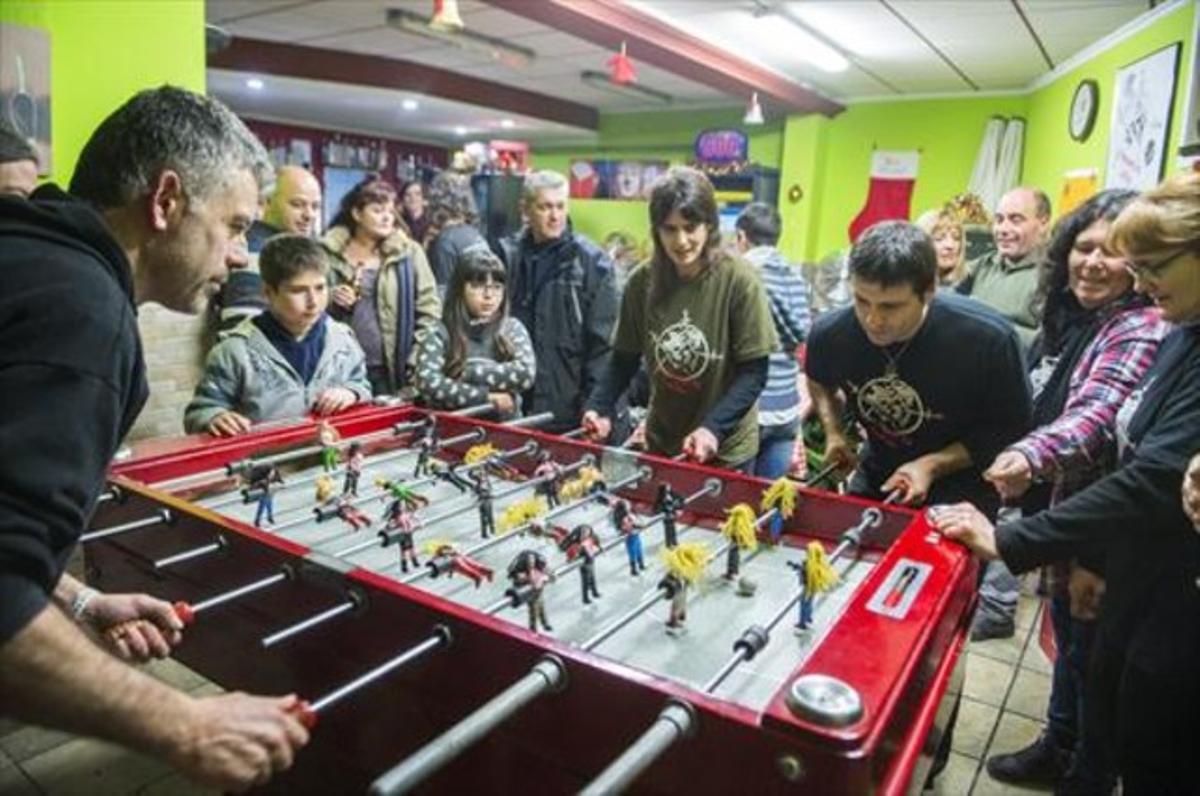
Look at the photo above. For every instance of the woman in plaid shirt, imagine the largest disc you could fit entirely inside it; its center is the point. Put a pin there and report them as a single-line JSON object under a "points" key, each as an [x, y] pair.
{"points": [[1097, 340]]}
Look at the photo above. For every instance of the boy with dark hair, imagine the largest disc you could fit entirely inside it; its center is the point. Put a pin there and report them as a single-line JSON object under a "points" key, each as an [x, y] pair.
{"points": [[286, 362]]}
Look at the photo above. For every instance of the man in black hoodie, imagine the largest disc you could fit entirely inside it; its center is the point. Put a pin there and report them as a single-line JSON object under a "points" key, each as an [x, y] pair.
{"points": [[160, 201]]}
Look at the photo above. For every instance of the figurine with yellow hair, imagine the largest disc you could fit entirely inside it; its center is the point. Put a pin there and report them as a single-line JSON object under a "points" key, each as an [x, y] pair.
{"points": [[817, 576], [325, 488], [581, 485], [521, 512], [739, 528], [685, 565], [780, 499]]}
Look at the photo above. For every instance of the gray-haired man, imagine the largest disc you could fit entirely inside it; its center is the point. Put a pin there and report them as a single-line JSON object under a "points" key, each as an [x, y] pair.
{"points": [[159, 205], [562, 288]]}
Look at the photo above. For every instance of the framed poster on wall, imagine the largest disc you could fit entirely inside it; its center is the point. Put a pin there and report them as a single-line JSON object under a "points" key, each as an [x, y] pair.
{"points": [[25, 87], [1189, 126], [1141, 120]]}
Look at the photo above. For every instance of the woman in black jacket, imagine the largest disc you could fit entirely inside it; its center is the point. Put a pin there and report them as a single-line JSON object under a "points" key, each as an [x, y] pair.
{"points": [[1144, 683]]}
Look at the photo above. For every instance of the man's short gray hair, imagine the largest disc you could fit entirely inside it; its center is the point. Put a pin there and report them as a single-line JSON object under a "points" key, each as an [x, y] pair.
{"points": [[196, 136], [14, 146], [538, 181]]}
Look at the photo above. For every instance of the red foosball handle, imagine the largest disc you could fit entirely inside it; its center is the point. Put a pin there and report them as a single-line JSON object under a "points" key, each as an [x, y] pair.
{"points": [[304, 714], [185, 613]]}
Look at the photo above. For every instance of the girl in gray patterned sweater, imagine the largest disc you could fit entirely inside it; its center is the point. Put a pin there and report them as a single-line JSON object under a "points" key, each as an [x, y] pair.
{"points": [[478, 354]]}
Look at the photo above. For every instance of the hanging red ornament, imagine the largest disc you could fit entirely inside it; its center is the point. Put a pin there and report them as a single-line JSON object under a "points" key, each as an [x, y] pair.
{"points": [[621, 69]]}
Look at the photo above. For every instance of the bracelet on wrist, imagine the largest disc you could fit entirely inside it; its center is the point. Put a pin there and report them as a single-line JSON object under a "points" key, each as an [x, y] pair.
{"points": [[81, 601]]}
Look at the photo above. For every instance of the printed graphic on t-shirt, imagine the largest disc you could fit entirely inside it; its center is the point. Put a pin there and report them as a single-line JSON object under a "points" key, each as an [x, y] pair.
{"points": [[1125, 416], [682, 355], [1040, 375], [890, 406]]}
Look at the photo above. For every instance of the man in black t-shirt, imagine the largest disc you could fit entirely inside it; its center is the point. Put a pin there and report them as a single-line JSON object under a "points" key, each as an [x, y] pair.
{"points": [[937, 383]]}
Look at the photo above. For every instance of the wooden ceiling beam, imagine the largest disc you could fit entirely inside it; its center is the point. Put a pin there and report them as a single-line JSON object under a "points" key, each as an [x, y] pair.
{"points": [[608, 23], [316, 63]]}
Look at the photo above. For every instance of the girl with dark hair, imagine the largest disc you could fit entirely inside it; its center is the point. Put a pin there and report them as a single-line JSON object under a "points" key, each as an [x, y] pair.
{"points": [[382, 285], [412, 209], [700, 319], [478, 354], [451, 229], [1096, 343]]}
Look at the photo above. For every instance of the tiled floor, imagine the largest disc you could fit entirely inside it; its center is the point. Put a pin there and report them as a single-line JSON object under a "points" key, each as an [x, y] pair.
{"points": [[1003, 708]]}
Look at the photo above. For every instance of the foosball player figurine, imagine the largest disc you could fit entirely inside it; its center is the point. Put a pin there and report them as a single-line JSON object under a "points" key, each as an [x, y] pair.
{"points": [[354, 466], [402, 520], [529, 573], [483, 492], [328, 437], [816, 576], [551, 471], [556, 533], [325, 489], [582, 485], [447, 559], [449, 474], [627, 525], [780, 500], [685, 564], [402, 493], [425, 448], [264, 484], [522, 512], [342, 508], [739, 529], [668, 504], [582, 543]]}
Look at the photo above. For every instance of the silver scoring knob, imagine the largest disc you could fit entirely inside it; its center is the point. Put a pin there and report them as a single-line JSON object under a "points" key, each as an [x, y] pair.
{"points": [[824, 700]]}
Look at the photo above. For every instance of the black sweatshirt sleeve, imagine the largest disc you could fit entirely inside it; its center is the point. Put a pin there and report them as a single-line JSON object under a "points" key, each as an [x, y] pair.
{"points": [[749, 378], [622, 366], [1006, 405]]}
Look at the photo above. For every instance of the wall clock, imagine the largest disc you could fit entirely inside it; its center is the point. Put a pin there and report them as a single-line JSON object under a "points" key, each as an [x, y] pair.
{"points": [[1084, 105]]}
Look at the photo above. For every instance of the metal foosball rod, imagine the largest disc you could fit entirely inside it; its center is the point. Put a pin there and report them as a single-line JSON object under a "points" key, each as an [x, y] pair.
{"points": [[191, 554], [353, 602], [112, 493], [385, 538], [677, 719], [309, 711], [162, 516], [187, 612], [546, 676]]}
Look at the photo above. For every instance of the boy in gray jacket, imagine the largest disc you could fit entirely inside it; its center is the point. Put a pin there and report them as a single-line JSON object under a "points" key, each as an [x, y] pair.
{"points": [[288, 361]]}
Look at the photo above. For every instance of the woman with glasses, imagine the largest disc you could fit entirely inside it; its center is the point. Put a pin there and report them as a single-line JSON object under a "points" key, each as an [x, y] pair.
{"points": [[1098, 337], [478, 353], [1143, 689]]}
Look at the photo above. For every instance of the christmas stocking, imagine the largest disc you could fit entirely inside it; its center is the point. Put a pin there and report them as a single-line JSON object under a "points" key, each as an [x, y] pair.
{"points": [[893, 175]]}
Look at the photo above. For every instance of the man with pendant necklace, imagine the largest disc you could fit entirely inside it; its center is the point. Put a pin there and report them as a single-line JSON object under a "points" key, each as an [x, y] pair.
{"points": [[936, 382]]}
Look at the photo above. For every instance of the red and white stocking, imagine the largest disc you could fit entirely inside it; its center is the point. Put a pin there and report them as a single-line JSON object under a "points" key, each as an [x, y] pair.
{"points": [[889, 194]]}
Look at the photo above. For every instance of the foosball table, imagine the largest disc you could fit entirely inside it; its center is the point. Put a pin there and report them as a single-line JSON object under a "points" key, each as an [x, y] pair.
{"points": [[401, 571]]}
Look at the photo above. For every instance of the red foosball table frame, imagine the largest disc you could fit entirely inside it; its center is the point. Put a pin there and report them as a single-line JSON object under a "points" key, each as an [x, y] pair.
{"points": [[907, 671]]}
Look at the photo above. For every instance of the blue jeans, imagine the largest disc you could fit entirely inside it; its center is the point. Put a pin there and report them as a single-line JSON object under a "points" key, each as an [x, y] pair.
{"points": [[775, 445]]}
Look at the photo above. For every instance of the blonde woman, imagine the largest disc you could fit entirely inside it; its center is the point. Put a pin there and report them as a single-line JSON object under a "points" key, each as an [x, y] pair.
{"points": [[949, 242]]}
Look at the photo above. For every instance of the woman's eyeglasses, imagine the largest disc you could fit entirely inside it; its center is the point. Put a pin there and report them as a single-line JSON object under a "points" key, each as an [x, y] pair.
{"points": [[1153, 270]]}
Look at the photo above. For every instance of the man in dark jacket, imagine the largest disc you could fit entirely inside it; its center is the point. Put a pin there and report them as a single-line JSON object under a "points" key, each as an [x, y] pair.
{"points": [[160, 202], [561, 287]]}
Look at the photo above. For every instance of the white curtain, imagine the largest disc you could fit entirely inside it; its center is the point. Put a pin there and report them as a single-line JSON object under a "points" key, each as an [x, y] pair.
{"points": [[998, 164]]}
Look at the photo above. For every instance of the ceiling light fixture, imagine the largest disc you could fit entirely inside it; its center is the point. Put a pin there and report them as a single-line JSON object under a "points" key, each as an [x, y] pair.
{"points": [[620, 68], [255, 84], [505, 52], [445, 16], [409, 105], [507, 124], [602, 81], [460, 131]]}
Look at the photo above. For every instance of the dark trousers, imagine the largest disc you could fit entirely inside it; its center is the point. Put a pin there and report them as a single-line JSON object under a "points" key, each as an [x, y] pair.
{"points": [[1066, 714]]}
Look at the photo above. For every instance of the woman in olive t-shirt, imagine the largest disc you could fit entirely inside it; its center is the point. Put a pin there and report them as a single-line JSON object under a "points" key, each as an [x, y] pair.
{"points": [[700, 320]]}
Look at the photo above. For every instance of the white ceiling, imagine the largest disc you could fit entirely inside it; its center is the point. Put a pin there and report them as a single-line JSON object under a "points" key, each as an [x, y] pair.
{"points": [[896, 48]]}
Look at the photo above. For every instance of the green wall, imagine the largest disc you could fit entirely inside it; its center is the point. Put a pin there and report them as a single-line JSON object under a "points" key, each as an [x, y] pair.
{"points": [[1049, 149], [663, 135], [104, 51]]}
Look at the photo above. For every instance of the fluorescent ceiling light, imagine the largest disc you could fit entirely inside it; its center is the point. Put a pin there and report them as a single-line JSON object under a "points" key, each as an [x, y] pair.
{"points": [[603, 81], [254, 84], [507, 124], [409, 105], [505, 52], [460, 131]]}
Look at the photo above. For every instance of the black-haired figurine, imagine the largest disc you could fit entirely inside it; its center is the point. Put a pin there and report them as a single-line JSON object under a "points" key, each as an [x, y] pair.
{"points": [[450, 474], [264, 482], [551, 471], [425, 447], [405, 523], [354, 467], [628, 526], [668, 504], [582, 543], [328, 438], [483, 492], [529, 573]]}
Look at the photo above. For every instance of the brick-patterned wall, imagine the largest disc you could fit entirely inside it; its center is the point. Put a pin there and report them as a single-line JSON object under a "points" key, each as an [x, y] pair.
{"points": [[175, 345]]}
